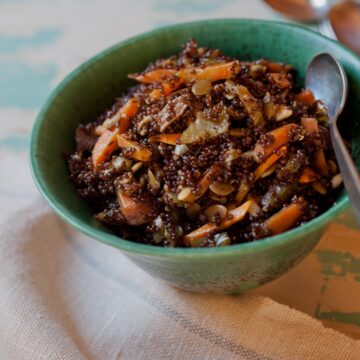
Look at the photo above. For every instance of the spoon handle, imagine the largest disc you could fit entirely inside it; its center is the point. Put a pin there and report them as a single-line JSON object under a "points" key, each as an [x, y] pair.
{"points": [[348, 169]]}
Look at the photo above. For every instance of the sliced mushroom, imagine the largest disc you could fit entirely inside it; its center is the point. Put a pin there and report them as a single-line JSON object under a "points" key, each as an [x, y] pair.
{"points": [[222, 189], [216, 210]]}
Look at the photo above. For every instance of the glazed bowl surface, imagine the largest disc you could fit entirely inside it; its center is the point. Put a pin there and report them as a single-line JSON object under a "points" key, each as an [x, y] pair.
{"points": [[92, 87]]}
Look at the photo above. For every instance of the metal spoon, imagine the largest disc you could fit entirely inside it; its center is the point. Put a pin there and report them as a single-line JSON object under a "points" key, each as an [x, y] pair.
{"points": [[326, 78]]}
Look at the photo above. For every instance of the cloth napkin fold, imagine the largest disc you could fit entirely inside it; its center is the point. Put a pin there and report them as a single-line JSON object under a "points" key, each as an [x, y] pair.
{"points": [[65, 296]]}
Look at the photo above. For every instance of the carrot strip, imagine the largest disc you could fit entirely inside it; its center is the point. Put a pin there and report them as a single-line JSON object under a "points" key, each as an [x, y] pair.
{"points": [[211, 73], [311, 127], [305, 97], [205, 181], [259, 171], [171, 139], [105, 145], [308, 175], [130, 108], [277, 67], [233, 217], [122, 116], [156, 94], [168, 88], [137, 152], [157, 75], [272, 159], [134, 211], [284, 219], [202, 185], [281, 136]]}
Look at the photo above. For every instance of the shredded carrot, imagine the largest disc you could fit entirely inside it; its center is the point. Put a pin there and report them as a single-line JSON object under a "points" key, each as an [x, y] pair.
{"points": [[277, 67], [134, 211], [244, 188], [189, 74], [281, 136], [233, 217], [311, 126], [137, 152], [130, 108], [305, 97], [308, 175], [158, 75], [122, 117], [211, 72], [203, 184], [156, 94], [105, 145], [171, 139], [284, 219], [168, 88], [272, 159]]}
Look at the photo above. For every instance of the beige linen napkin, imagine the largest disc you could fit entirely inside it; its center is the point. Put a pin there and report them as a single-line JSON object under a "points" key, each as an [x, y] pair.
{"points": [[65, 296]]}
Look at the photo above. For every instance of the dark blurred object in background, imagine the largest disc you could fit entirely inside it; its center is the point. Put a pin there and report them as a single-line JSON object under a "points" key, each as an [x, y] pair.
{"points": [[339, 20]]}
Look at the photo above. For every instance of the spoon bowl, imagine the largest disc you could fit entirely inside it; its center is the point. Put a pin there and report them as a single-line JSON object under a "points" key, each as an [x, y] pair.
{"points": [[301, 10], [339, 22], [326, 78]]}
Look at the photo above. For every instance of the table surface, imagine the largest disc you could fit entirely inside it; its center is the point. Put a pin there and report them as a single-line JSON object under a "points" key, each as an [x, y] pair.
{"points": [[41, 41]]}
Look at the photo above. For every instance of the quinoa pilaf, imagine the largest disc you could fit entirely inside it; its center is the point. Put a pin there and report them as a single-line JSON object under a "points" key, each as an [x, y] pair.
{"points": [[207, 150]]}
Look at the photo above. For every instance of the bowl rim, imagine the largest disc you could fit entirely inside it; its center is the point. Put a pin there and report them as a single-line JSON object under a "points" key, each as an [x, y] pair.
{"points": [[94, 230]]}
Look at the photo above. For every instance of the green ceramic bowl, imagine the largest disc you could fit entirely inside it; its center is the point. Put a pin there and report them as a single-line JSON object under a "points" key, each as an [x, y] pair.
{"points": [[93, 86]]}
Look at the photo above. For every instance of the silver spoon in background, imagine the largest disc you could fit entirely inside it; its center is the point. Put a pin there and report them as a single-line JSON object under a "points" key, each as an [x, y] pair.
{"points": [[326, 78], [339, 20]]}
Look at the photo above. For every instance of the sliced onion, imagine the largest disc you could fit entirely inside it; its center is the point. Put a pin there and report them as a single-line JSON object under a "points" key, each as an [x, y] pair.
{"points": [[203, 128]]}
